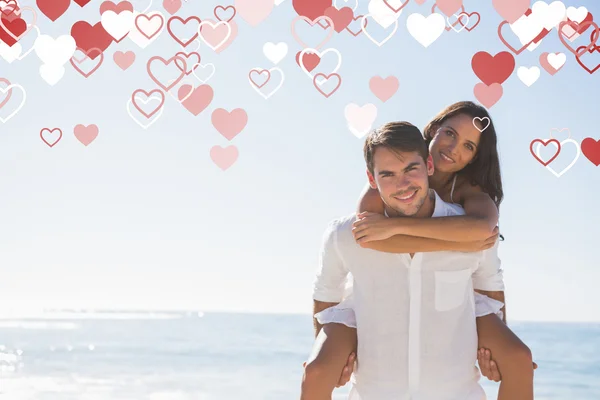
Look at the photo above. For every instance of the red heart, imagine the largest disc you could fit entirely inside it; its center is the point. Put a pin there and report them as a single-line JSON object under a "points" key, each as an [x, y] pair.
{"points": [[16, 26], [310, 60], [88, 37], [82, 2], [184, 22], [493, 69], [311, 8], [53, 8], [224, 9], [341, 18], [546, 143], [396, 10], [591, 150], [580, 52], [365, 23], [470, 15]]}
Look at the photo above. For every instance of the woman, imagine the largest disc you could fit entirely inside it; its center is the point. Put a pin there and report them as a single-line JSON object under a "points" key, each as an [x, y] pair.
{"points": [[462, 142]]}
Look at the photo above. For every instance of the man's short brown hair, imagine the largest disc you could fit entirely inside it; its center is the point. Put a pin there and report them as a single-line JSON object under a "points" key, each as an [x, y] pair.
{"points": [[399, 137]]}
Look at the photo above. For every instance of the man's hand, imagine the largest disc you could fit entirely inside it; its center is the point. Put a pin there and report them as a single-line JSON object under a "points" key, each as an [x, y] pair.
{"points": [[372, 226], [479, 245], [488, 367], [347, 371]]}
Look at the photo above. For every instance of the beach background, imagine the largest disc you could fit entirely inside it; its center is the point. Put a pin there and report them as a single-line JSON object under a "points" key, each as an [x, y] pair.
{"points": [[144, 220], [225, 356]]}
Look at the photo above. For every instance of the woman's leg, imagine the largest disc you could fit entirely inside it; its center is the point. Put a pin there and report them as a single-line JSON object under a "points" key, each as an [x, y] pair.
{"points": [[331, 350], [512, 356]]}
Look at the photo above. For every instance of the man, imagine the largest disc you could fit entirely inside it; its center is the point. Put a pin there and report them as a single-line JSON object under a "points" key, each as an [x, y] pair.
{"points": [[415, 314]]}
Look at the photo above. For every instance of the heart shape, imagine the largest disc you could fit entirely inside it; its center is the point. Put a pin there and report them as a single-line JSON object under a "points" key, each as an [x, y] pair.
{"points": [[546, 143], [312, 23], [593, 38], [224, 9], [469, 20], [187, 57], [353, 33], [267, 96], [268, 73], [148, 98], [149, 20], [9, 91], [591, 150], [581, 51], [568, 167], [184, 22], [79, 61], [166, 63], [326, 79], [510, 47], [50, 131]]}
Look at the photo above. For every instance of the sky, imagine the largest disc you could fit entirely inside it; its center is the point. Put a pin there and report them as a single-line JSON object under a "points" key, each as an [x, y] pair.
{"points": [[143, 219]]}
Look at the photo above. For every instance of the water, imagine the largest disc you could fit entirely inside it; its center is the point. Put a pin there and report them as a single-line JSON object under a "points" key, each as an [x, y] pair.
{"points": [[187, 356]]}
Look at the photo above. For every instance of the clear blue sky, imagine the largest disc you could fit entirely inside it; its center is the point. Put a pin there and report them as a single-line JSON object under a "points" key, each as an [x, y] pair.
{"points": [[144, 219]]}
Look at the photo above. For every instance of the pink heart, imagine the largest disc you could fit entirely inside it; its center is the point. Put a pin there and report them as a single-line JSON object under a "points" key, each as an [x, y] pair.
{"points": [[488, 95], [172, 83], [326, 80], [312, 23], [384, 89], [86, 134], [420, 2], [511, 10], [449, 7], [229, 124], [8, 93], [117, 8], [172, 6], [259, 73], [148, 95], [124, 60], [220, 10], [224, 157], [198, 100]]}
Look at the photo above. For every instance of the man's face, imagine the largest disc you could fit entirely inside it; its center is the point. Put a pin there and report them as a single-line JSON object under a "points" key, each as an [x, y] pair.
{"points": [[402, 179]]}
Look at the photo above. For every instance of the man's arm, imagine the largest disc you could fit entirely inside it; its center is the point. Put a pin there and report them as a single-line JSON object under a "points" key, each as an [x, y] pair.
{"points": [[319, 306], [488, 279], [330, 281], [496, 295]]}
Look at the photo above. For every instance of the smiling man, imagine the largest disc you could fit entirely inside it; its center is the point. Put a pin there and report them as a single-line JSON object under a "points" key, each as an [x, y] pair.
{"points": [[414, 313]]}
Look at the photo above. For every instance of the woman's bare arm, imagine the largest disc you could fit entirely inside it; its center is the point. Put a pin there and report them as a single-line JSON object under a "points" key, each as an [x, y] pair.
{"points": [[370, 200]]}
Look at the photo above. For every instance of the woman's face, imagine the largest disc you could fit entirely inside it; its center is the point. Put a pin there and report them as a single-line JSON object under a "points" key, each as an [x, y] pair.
{"points": [[454, 144]]}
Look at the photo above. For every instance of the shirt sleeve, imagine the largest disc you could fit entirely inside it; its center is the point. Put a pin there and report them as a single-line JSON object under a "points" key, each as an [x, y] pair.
{"points": [[330, 281], [489, 275]]}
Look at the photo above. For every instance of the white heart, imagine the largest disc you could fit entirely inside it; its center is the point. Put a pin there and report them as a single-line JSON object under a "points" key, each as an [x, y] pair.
{"points": [[6, 89], [568, 167], [360, 119], [557, 60], [528, 75], [156, 116], [426, 30], [55, 52], [52, 74], [363, 27], [275, 52], [577, 14], [267, 96], [203, 67], [382, 14]]}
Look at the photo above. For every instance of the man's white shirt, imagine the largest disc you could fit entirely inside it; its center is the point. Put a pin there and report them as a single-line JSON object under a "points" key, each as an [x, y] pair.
{"points": [[415, 318]]}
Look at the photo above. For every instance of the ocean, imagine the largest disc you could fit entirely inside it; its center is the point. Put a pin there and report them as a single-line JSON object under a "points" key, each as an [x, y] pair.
{"points": [[221, 356]]}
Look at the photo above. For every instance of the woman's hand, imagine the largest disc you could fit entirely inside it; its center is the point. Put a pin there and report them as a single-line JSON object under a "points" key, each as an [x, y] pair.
{"points": [[373, 226]]}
